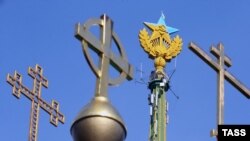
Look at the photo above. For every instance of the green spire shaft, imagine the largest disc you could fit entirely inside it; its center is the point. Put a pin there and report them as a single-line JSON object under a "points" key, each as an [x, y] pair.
{"points": [[158, 107]]}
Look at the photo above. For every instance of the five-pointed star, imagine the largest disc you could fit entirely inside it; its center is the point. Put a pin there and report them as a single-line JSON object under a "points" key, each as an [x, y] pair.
{"points": [[161, 21]]}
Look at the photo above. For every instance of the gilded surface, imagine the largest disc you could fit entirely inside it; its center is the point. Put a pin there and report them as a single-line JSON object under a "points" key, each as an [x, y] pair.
{"points": [[159, 45], [36, 100], [99, 120], [161, 48]]}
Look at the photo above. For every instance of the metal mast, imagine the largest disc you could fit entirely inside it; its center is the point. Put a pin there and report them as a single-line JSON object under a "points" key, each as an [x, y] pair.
{"points": [[158, 86], [161, 48]]}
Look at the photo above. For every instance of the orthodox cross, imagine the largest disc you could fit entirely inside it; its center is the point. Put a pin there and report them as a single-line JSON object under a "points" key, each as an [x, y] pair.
{"points": [[222, 75], [36, 100]]}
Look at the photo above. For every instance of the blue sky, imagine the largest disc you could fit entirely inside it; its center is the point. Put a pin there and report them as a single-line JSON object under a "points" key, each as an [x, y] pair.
{"points": [[42, 32]]}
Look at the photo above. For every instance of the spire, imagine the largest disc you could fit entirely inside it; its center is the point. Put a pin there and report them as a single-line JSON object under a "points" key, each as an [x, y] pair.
{"points": [[160, 47]]}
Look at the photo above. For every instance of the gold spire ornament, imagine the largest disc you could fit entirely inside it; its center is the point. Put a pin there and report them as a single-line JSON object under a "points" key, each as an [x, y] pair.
{"points": [[159, 45], [161, 48]]}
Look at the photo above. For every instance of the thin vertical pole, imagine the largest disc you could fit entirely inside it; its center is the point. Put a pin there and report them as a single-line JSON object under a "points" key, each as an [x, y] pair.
{"points": [[221, 86]]}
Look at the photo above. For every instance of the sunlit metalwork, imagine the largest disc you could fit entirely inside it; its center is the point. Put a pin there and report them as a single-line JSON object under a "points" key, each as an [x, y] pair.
{"points": [[162, 49], [36, 100], [223, 74], [99, 121], [159, 45]]}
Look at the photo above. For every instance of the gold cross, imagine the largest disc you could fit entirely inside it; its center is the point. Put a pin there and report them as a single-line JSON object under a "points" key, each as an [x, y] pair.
{"points": [[102, 47], [222, 74], [35, 96]]}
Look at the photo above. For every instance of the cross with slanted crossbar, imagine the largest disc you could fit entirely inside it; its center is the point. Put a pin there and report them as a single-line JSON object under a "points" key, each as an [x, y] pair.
{"points": [[35, 96], [222, 74]]}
